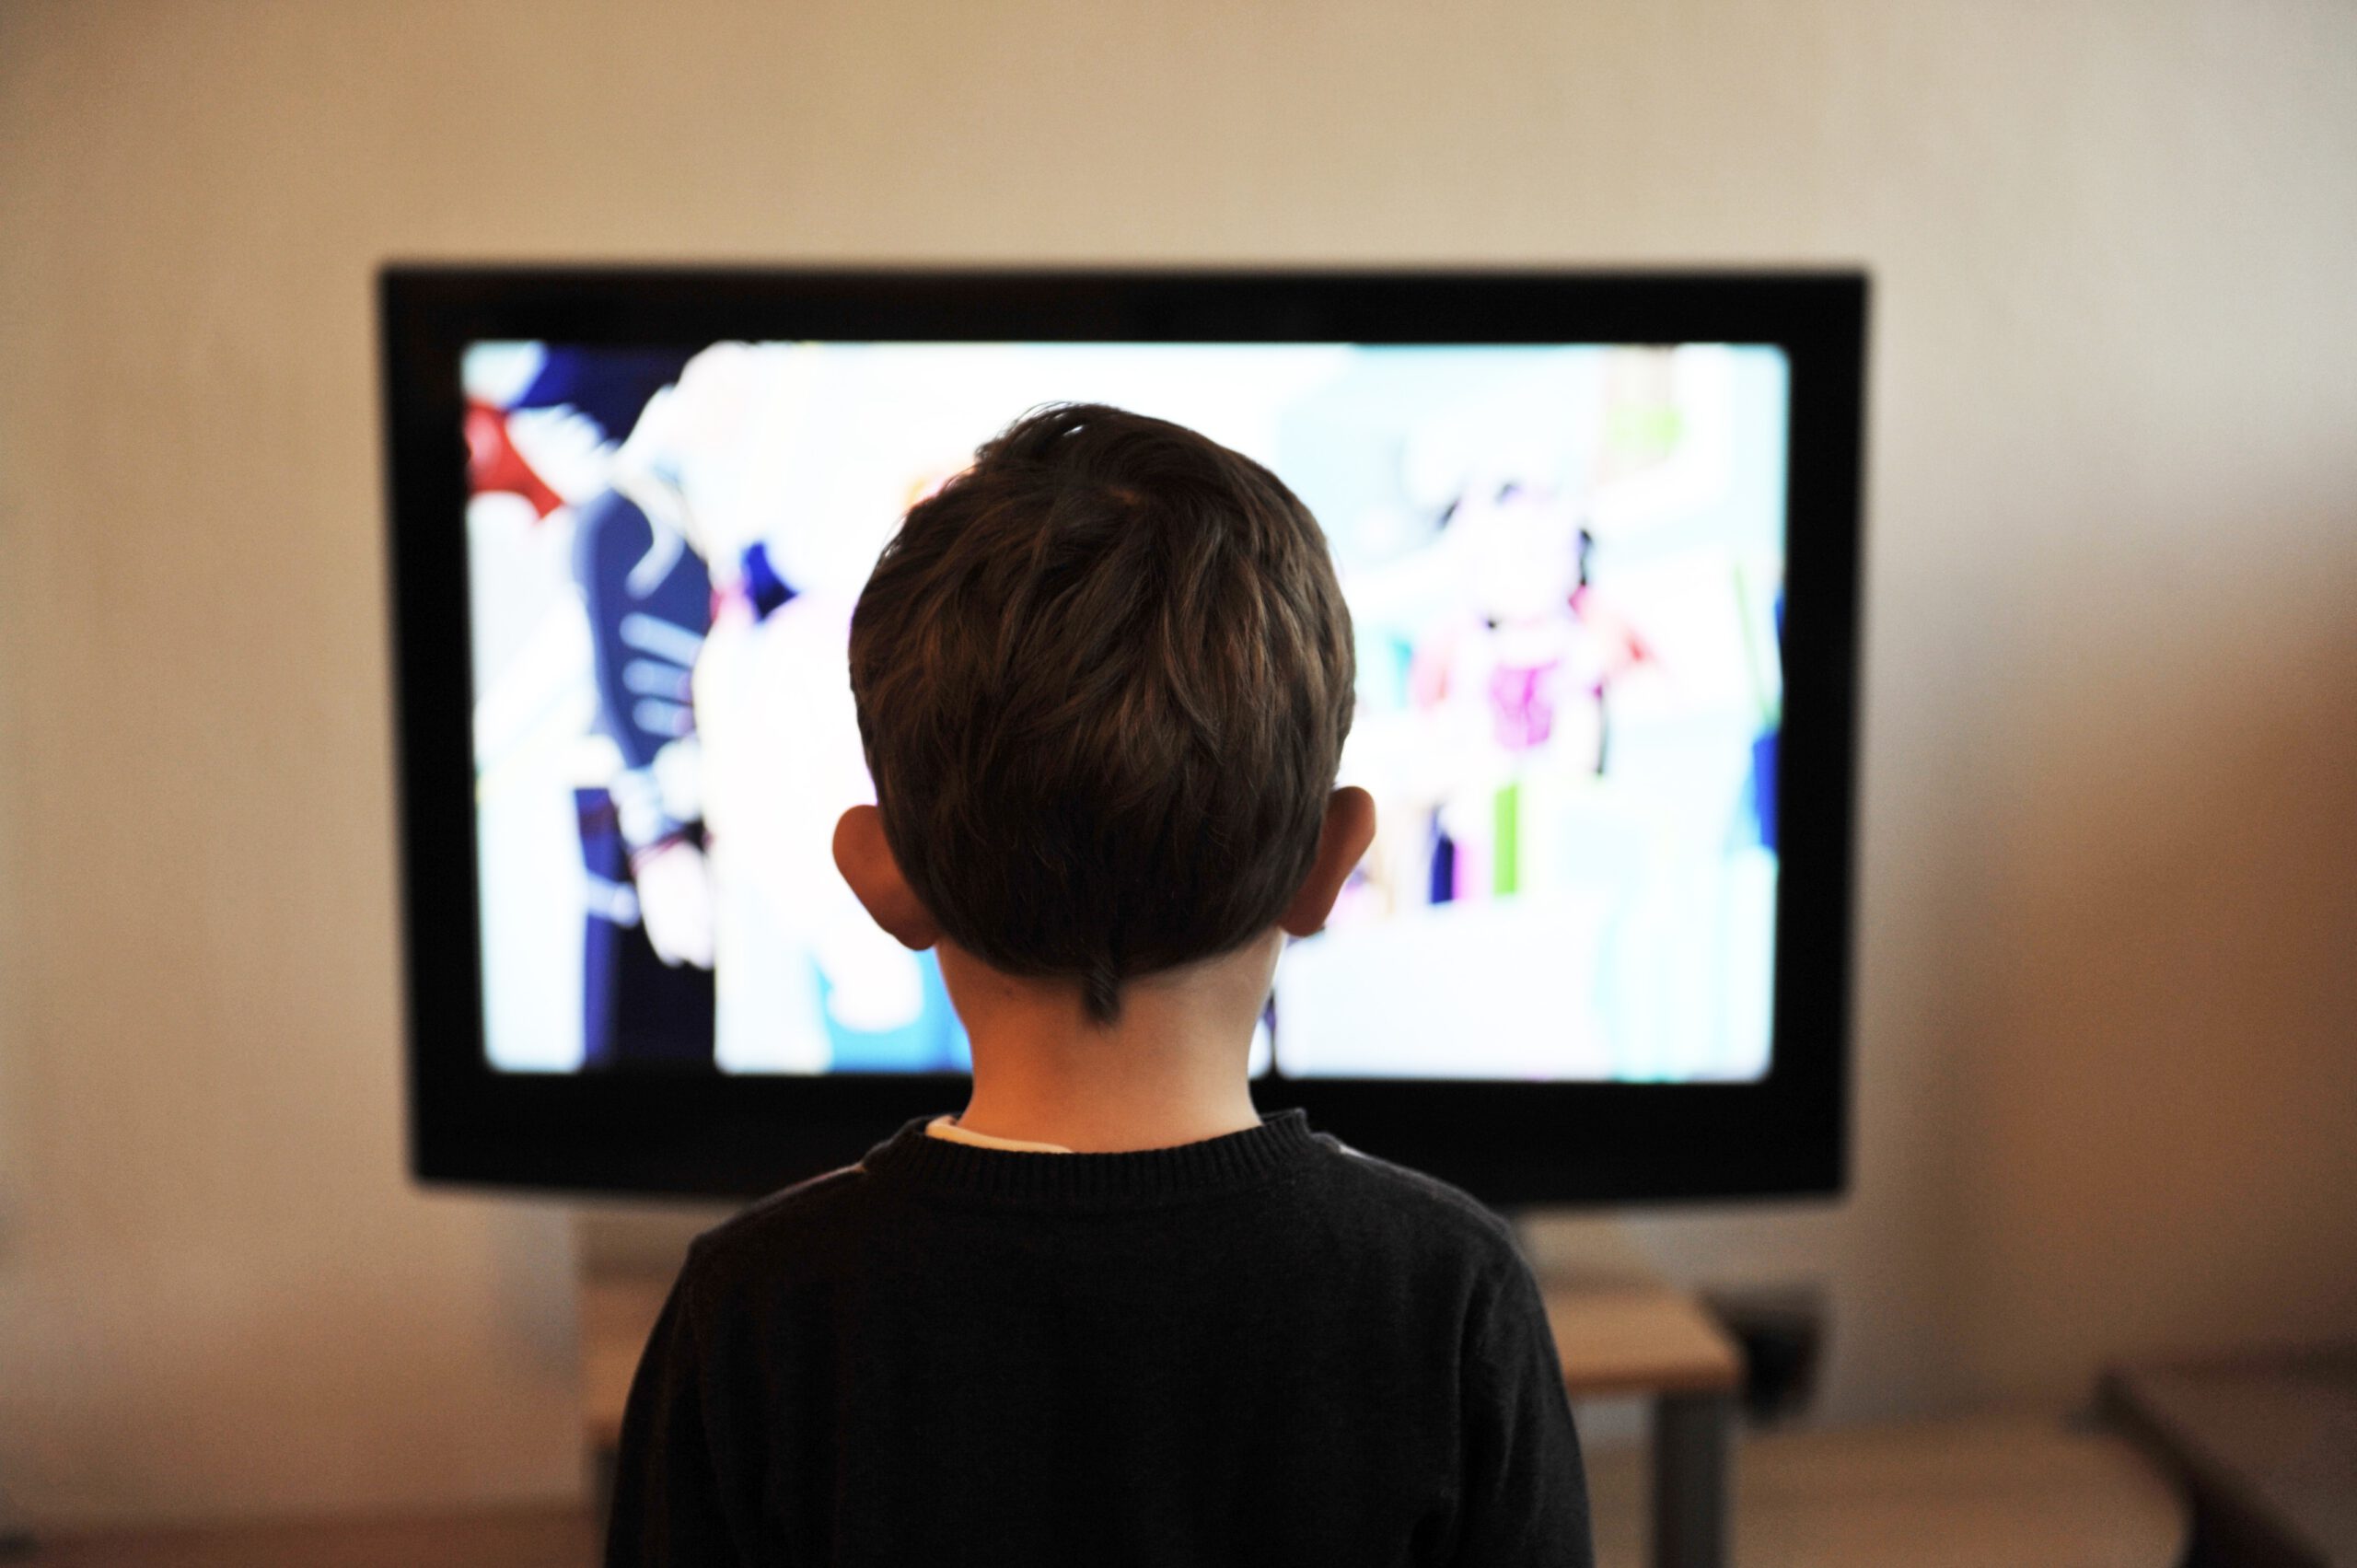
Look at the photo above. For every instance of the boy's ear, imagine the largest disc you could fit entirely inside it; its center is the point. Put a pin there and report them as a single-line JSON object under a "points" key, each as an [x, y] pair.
{"points": [[865, 860], [1349, 828]]}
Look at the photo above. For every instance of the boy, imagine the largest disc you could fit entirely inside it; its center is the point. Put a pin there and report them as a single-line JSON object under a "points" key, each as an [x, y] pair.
{"points": [[1108, 1314]]}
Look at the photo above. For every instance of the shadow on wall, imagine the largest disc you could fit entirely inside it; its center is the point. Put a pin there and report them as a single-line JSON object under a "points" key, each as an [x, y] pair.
{"points": [[2160, 1115]]}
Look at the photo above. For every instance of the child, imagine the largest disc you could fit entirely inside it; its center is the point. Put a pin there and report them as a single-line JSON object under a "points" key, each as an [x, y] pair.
{"points": [[1108, 1314]]}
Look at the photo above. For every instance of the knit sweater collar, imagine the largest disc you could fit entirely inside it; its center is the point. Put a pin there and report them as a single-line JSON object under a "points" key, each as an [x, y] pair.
{"points": [[1234, 1162]]}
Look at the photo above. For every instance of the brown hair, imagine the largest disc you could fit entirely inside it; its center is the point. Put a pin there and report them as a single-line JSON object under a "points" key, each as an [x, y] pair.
{"points": [[1103, 679]]}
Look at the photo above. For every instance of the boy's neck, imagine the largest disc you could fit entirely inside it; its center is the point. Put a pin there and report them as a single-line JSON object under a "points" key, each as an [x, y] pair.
{"points": [[1172, 1069]]}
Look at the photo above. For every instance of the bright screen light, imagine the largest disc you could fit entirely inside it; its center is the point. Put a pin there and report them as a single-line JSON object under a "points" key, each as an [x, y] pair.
{"points": [[1565, 569]]}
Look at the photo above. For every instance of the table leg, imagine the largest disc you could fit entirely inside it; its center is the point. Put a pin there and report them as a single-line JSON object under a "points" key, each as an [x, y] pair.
{"points": [[1692, 1438]]}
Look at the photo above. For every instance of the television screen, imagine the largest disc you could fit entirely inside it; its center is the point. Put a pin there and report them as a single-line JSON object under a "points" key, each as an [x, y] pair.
{"points": [[1598, 534], [1564, 564]]}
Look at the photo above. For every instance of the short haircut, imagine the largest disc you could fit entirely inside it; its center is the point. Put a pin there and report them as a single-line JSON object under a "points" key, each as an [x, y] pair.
{"points": [[1103, 679]]}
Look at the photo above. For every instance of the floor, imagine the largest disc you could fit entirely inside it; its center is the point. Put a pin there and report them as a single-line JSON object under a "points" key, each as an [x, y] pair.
{"points": [[1996, 1492], [1989, 1493], [536, 1538]]}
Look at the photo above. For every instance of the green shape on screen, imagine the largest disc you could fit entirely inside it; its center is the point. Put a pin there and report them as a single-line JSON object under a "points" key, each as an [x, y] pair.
{"points": [[1506, 866]]}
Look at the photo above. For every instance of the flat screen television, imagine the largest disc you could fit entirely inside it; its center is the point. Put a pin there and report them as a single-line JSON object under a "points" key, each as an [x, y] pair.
{"points": [[1599, 536]]}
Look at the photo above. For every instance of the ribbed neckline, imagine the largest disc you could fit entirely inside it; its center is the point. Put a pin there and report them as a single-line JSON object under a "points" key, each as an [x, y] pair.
{"points": [[1234, 1162]]}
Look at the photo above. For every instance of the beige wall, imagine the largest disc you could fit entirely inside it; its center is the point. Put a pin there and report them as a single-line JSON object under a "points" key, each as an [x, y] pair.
{"points": [[2107, 1004]]}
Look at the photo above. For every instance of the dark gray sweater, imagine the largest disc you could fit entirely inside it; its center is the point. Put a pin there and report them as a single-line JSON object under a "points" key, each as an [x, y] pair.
{"points": [[1262, 1348]]}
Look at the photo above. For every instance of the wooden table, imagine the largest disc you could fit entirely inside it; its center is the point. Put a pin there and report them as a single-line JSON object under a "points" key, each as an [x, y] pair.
{"points": [[618, 1312], [1646, 1339]]}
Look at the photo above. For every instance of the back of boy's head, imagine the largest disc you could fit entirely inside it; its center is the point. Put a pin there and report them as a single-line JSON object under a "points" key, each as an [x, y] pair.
{"points": [[1103, 679]]}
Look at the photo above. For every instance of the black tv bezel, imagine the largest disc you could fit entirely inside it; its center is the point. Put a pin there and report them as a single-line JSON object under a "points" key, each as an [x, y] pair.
{"points": [[709, 1135]]}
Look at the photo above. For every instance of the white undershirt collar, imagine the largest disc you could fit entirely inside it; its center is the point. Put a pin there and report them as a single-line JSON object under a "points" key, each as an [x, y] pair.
{"points": [[947, 1127]]}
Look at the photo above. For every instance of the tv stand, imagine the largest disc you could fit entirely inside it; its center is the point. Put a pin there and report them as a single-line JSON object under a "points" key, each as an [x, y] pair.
{"points": [[1621, 1331]]}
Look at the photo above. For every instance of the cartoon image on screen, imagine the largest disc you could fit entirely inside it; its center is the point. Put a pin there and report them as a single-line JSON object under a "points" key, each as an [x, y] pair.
{"points": [[1564, 566]]}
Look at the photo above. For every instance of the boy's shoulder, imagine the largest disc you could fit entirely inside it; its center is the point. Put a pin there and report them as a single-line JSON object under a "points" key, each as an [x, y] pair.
{"points": [[1445, 1212], [839, 1217], [794, 1219]]}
